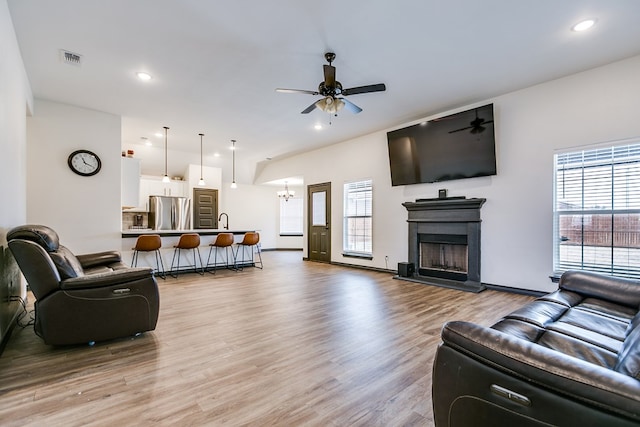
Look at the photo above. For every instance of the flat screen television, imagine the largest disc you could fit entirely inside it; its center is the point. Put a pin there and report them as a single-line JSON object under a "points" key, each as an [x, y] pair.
{"points": [[458, 146]]}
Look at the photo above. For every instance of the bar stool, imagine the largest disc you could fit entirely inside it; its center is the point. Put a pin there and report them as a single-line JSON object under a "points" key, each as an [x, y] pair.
{"points": [[223, 240], [249, 240], [187, 241], [149, 243]]}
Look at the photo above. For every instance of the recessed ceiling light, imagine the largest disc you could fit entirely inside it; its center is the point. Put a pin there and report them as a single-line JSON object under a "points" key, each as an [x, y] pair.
{"points": [[158, 134], [583, 25], [143, 76], [216, 154], [318, 126]]}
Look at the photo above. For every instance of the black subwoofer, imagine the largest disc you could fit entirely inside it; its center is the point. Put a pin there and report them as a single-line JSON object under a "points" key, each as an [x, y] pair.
{"points": [[405, 269]]}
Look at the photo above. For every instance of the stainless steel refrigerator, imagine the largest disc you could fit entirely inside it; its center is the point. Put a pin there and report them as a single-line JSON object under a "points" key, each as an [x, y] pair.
{"points": [[169, 213]]}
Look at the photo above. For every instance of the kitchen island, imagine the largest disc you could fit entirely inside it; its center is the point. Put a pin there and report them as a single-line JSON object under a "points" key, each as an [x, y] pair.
{"points": [[169, 239], [133, 232]]}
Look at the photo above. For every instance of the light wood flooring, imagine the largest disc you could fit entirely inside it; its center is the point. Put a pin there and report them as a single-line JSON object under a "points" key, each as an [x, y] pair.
{"points": [[298, 343]]}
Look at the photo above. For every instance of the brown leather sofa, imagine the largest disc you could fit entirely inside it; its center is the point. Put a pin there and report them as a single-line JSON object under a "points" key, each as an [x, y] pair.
{"points": [[83, 299], [569, 358]]}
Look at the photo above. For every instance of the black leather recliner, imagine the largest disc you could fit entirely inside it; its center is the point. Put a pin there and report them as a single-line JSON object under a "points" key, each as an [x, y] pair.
{"points": [[568, 358], [83, 299]]}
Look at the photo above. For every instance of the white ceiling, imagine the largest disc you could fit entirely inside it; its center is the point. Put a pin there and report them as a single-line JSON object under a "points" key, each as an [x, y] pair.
{"points": [[215, 65]]}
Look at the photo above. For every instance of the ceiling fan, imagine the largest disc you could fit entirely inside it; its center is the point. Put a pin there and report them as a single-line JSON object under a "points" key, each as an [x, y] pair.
{"points": [[333, 95], [476, 125]]}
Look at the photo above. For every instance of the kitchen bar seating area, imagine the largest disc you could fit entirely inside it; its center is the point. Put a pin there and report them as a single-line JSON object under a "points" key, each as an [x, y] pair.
{"points": [[242, 254]]}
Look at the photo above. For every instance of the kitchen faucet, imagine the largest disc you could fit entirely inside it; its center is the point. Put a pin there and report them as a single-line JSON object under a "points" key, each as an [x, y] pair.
{"points": [[226, 227]]}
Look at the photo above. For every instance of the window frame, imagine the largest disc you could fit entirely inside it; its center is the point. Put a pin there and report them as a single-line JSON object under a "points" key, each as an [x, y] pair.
{"points": [[355, 245]]}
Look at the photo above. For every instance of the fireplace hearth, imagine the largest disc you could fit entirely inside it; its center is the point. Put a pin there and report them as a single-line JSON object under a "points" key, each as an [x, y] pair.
{"points": [[444, 242]]}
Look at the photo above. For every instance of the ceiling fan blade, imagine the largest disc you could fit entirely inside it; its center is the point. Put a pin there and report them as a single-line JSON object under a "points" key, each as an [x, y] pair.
{"points": [[380, 87], [309, 109], [350, 106], [461, 129], [329, 75], [310, 92]]}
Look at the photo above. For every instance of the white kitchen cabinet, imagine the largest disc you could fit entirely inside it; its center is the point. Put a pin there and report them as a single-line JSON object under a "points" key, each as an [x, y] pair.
{"points": [[153, 186], [174, 188], [130, 182]]}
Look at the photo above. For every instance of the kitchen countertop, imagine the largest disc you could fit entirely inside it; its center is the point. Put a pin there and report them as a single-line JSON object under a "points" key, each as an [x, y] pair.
{"points": [[203, 232]]}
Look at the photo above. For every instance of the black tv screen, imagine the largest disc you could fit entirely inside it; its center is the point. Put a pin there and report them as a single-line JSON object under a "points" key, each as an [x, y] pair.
{"points": [[458, 146]]}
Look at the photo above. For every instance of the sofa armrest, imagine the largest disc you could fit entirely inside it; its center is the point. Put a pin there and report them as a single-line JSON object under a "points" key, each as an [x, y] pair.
{"points": [[549, 369], [110, 278], [99, 258], [615, 289]]}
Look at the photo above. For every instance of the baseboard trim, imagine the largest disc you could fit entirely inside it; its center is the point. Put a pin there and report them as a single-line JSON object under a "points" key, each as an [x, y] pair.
{"points": [[515, 290], [364, 267]]}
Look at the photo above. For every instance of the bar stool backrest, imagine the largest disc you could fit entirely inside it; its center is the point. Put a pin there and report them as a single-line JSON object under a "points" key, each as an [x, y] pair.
{"points": [[148, 242], [223, 239], [251, 238], [188, 241]]}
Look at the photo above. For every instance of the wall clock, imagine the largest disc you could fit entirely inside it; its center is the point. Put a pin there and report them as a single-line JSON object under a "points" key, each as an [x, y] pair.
{"points": [[84, 162]]}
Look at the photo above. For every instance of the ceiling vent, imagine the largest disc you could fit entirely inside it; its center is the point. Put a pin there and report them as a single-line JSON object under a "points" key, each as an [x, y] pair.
{"points": [[70, 58]]}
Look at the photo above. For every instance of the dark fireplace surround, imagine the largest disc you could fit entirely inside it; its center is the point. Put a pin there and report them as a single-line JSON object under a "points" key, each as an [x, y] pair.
{"points": [[444, 242]]}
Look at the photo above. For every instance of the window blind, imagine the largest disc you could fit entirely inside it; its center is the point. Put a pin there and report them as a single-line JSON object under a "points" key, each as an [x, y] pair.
{"points": [[597, 211], [291, 216]]}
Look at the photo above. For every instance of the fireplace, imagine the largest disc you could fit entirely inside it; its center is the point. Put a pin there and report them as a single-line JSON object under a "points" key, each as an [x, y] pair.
{"points": [[444, 242], [444, 256]]}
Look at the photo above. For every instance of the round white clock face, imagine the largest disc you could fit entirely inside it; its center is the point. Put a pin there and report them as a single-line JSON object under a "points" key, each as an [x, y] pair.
{"points": [[84, 162]]}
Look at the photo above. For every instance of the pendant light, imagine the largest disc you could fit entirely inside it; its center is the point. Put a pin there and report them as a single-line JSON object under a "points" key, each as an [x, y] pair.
{"points": [[286, 194], [233, 160], [166, 176], [201, 182]]}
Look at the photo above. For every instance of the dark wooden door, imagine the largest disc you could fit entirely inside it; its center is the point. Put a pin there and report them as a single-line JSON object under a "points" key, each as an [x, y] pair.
{"points": [[205, 208], [319, 222]]}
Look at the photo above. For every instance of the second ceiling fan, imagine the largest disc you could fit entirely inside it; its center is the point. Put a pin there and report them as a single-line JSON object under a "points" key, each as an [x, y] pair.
{"points": [[332, 92]]}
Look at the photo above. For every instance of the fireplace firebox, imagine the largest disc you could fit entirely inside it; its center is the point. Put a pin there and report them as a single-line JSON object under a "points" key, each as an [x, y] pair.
{"points": [[444, 242]]}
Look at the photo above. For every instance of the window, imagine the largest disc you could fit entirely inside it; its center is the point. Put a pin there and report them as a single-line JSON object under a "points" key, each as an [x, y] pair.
{"points": [[597, 211], [291, 217], [358, 198]]}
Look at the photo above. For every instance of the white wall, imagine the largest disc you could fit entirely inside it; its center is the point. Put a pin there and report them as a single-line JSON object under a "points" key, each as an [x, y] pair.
{"points": [[251, 207], [16, 101], [587, 108], [85, 211]]}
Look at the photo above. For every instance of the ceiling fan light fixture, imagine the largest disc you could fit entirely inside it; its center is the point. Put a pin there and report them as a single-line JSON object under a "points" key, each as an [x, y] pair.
{"points": [[330, 104]]}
